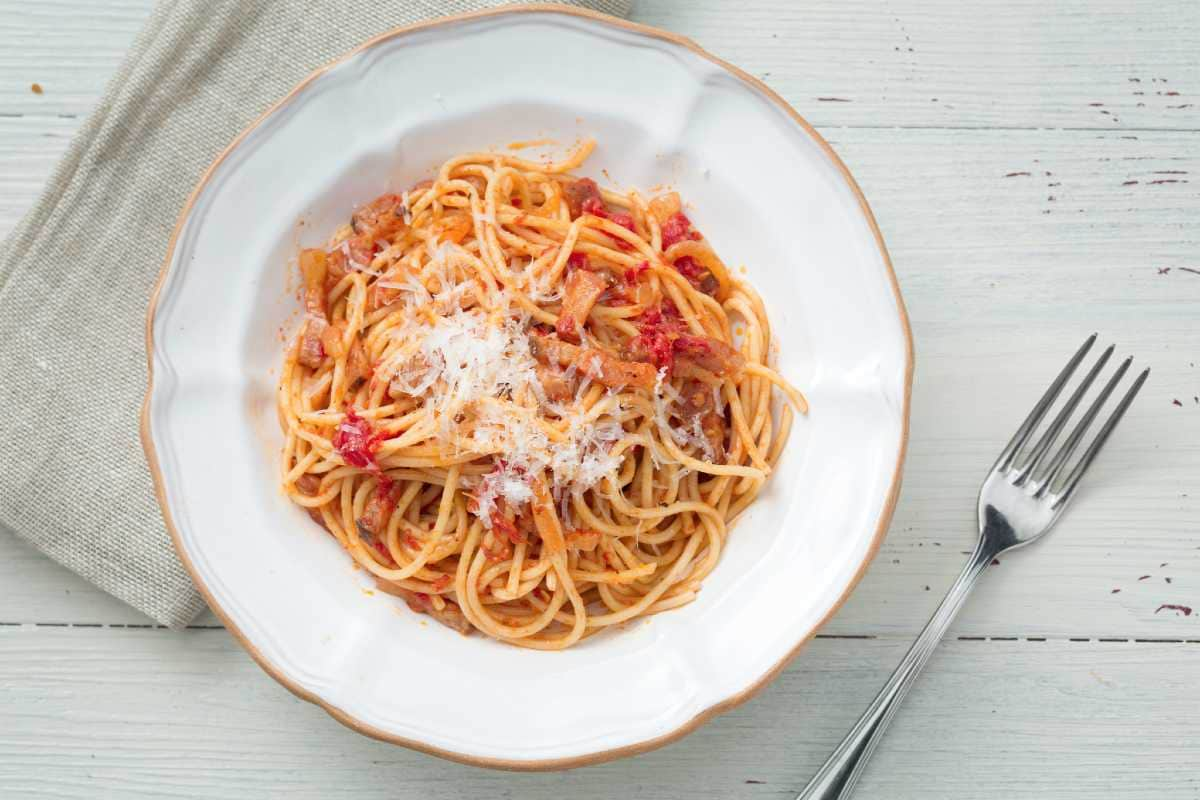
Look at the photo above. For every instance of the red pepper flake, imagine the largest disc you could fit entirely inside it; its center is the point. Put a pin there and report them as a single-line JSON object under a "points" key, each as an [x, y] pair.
{"points": [[677, 228], [595, 207], [659, 328], [995, 562], [660, 352], [356, 441], [1115, 591], [1185, 610], [387, 491], [1176, 402], [664, 315], [634, 273], [36, 88], [622, 219], [515, 202], [1144, 577], [688, 268]]}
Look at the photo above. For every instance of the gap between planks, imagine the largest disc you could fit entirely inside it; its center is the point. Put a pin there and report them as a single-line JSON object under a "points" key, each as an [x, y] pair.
{"points": [[827, 126], [828, 636]]}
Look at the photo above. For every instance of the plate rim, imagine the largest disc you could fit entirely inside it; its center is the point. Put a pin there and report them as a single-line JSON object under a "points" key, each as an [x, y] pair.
{"points": [[727, 704]]}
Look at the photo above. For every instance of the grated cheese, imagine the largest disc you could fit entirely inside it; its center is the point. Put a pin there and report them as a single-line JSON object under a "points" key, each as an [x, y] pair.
{"points": [[439, 252], [473, 368], [538, 285], [664, 395]]}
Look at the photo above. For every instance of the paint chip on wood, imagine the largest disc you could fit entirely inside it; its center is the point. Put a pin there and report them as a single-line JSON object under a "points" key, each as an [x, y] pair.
{"points": [[1184, 610]]}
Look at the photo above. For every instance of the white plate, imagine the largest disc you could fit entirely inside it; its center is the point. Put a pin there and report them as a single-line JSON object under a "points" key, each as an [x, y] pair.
{"points": [[766, 190]]}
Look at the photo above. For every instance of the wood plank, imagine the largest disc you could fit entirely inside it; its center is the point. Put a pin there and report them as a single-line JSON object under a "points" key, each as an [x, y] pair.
{"points": [[943, 63], [1079, 64], [999, 292], [69, 48], [1001, 281], [96, 712], [1005, 273]]}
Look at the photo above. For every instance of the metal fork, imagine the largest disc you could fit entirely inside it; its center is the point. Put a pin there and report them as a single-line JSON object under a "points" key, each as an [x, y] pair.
{"points": [[1021, 498]]}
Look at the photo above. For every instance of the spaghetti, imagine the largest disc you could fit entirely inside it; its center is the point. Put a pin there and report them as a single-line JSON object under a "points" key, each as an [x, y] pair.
{"points": [[526, 405]]}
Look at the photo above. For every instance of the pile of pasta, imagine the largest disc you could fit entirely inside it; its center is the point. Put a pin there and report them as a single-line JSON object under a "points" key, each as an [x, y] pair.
{"points": [[527, 405]]}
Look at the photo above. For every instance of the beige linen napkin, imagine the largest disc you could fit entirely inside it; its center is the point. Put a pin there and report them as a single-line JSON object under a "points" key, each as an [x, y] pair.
{"points": [[76, 273]]}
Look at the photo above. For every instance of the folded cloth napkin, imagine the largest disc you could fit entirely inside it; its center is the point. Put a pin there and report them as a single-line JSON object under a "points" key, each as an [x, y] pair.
{"points": [[76, 273]]}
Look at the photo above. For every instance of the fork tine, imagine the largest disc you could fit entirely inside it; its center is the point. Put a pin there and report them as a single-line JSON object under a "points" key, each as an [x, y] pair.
{"points": [[1059, 461], [1101, 437], [1043, 405], [1043, 445]]}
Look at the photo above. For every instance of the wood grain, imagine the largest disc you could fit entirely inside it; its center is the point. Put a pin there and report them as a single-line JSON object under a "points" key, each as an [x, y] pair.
{"points": [[69, 47], [1001, 283], [1035, 168], [159, 714], [943, 63], [920, 63]]}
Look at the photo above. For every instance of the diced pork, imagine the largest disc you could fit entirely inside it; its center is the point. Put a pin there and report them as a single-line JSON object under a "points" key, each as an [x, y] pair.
{"points": [[313, 268], [554, 384], [381, 218], [580, 192], [582, 290], [714, 357], [374, 517], [308, 484], [598, 365], [312, 352]]}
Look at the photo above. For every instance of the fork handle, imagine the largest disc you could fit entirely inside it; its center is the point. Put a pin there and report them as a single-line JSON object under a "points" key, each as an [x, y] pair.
{"points": [[837, 777]]}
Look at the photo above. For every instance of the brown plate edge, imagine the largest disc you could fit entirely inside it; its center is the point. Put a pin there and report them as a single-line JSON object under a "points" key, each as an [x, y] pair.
{"points": [[708, 713]]}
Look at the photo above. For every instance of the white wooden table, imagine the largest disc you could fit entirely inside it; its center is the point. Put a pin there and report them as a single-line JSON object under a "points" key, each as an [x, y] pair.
{"points": [[1035, 168]]}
